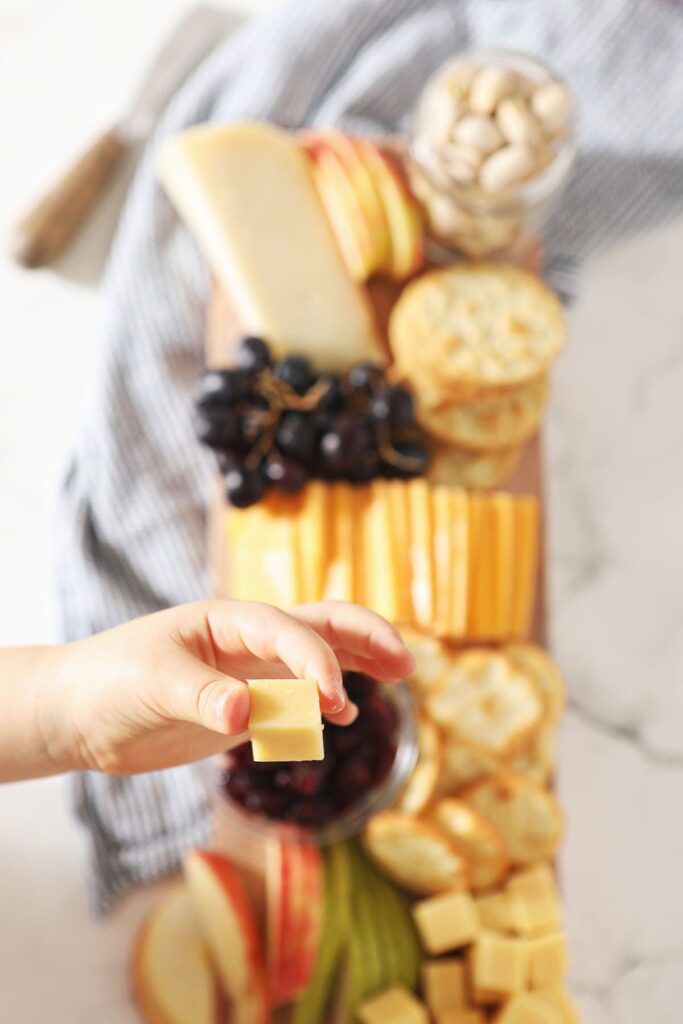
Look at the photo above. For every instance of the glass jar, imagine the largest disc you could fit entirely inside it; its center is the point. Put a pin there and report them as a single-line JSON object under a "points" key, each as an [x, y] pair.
{"points": [[466, 213], [243, 836]]}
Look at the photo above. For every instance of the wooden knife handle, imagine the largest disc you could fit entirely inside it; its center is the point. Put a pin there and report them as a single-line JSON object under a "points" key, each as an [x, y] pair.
{"points": [[41, 236]]}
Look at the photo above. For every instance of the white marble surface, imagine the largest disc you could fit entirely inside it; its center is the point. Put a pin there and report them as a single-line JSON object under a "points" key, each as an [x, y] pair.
{"points": [[616, 495]]}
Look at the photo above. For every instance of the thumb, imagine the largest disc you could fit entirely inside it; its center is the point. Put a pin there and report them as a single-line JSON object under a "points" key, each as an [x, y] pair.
{"points": [[206, 697]]}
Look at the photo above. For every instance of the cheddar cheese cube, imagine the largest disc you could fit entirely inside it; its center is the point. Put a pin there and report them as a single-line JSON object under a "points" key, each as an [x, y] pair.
{"points": [[381, 581], [459, 1017], [558, 998], [444, 984], [528, 1009], [495, 911], [548, 960], [284, 720], [446, 922], [499, 967], [395, 1005], [533, 901]]}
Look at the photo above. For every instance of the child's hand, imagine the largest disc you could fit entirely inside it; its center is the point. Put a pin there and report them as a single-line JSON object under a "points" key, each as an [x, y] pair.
{"points": [[169, 688]]}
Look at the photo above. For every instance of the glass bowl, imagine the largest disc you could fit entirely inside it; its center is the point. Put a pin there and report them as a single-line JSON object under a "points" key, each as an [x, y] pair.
{"points": [[238, 830], [463, 218]]}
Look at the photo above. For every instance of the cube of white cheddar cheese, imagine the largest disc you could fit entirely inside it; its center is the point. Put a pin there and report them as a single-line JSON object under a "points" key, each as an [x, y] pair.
{"points": [[499, 967], [444, 984], [393, 1006], [446, 922], [557, 997], [528, 1009], [548, 960], [533, 901], [459, 1017], [284, 720]]}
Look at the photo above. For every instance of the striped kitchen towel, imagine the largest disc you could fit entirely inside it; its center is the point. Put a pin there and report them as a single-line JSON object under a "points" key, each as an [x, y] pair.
{"points": [[131, 520]]}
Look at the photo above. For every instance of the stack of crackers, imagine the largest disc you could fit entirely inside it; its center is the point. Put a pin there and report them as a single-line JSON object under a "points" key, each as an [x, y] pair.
{"points": [[476, 342]]}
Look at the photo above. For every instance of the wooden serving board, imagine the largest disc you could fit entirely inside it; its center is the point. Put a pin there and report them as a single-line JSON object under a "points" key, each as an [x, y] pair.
{"points": [[222, 336]]}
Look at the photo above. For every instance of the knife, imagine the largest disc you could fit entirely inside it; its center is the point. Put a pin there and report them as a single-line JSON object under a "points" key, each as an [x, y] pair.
{"points": [[44, 232]]}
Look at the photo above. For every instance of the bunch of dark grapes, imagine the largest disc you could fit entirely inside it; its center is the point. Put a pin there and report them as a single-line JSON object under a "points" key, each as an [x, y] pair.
{"points": [[279, 424], [358, 758]]}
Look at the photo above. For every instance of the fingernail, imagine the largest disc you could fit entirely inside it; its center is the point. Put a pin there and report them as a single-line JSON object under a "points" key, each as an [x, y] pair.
{"points": [[232, 710], [395, 644], [337, 701]]}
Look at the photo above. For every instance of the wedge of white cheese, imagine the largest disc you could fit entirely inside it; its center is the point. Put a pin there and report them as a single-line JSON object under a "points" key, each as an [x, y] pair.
{"points": [[247, 194]]}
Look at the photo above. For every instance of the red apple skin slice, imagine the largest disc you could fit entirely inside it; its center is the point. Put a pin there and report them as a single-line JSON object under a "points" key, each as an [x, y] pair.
{"points": [[171, 972], [294, 882], [342, 207], [231, 933], [402, 211]]}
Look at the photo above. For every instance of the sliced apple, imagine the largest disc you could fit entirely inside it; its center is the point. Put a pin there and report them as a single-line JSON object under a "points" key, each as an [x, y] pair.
{"points": [[342, 207], [229, 927], [295, 889], [403, 214], [172, 977], [364, 183]]}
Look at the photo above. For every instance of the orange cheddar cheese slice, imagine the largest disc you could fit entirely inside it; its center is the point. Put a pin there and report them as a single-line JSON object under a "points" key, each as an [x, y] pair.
{"points": [[382, 580], [527, 538], [277, 545], [314, 540], [339, 581], [420, 541], [504, 554], [362, 563], [399, 526], [441, 554], [460, 559], [482, 568]]}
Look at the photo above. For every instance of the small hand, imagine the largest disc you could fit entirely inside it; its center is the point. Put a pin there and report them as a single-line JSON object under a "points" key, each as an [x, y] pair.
{"points": [[169, 688]]}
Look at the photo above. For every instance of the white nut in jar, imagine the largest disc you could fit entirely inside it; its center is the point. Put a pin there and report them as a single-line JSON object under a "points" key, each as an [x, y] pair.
{"points": [[516, 122], [477, 130], [507, 166], [488, 87], [440, 110], [552, 104], [447, 220], [462, 162], [457, 80]]}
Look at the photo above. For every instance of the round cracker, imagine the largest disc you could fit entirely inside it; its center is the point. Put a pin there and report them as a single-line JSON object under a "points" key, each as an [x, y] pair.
{"points": [[461, 766], [478, 327], [538, 761], [415, 855], [488, 424], [488, 702], [477, 839], [546, 676], [479, 471], [433, 661], [422, 783], [525, 814]]}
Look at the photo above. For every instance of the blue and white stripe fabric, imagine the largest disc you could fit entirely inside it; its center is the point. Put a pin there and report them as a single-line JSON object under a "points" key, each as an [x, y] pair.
{"points": [[130, 537]]}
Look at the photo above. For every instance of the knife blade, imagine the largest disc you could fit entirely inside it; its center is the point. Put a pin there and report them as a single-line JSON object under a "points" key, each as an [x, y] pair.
{"points": [[43, 233]]}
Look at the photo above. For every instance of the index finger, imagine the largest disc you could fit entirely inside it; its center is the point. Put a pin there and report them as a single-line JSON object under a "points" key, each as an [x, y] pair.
{"points": [[271, 635], [352, 629]]}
